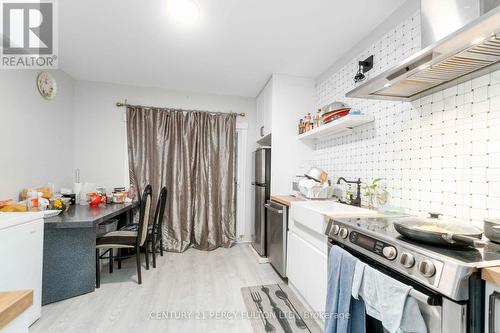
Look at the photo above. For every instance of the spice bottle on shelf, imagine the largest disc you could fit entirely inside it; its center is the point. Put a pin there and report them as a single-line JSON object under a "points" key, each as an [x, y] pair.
{"points": [[306, 123], [311, 122], [317, 118]]}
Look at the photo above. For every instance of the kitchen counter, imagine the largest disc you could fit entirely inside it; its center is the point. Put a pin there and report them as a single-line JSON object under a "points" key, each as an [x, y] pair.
{"points": [[286, 199], [69, 249], [79, 216], [339, 215], [12, 304], [314, 214], [491, 274]]}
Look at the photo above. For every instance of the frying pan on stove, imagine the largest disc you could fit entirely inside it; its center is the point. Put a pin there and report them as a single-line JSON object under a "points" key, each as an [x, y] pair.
{"points": [[439, 232]]}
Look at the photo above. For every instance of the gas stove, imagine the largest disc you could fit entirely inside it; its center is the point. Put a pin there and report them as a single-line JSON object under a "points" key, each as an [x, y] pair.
{"points": [[441, 269]]}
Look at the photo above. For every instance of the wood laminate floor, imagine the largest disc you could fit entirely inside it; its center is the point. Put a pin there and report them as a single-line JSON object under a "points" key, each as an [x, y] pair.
{"points": [[185, 293]]}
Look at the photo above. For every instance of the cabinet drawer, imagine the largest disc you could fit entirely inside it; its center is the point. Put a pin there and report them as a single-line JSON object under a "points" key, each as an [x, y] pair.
{"points": [[307, 271]]}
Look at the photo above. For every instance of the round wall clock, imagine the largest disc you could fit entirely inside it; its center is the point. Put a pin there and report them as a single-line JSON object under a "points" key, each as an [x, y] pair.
{"points": [[47, 85]]}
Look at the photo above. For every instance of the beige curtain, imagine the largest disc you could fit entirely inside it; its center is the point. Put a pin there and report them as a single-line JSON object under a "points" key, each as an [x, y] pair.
{"points": [[192, 153]]}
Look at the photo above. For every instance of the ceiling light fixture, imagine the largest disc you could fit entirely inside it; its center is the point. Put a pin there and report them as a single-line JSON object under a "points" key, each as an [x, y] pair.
{"points": [[185, 12]]}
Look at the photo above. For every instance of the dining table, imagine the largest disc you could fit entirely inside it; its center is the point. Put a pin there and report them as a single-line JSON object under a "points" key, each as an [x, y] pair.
{"points": [[69, 248]]}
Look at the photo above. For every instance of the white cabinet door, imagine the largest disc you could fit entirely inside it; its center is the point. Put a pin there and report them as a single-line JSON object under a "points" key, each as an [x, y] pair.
{"points": [[260, 115], [307, 271], [268, 107], [294, 261], [492, 309], [264, 110]]}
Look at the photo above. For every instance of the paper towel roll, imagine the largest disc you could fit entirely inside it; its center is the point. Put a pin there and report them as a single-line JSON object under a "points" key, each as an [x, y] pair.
{"points": [[77, 189]]}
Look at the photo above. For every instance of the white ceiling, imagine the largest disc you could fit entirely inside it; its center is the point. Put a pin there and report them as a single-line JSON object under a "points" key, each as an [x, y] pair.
{"points": [[233, 49]]}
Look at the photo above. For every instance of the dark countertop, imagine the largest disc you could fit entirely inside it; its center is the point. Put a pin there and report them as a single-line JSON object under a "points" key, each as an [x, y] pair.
{"points": [[79, 216]]}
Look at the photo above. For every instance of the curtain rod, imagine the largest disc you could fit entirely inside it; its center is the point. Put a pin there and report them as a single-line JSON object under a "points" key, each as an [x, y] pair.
{"points": [[120, 104]]}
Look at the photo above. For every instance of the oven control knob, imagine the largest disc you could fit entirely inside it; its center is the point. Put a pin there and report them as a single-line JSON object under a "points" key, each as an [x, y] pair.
{"points": [[390, 252], [407, 260], [427, 268], [335, 229], [343, 232]]}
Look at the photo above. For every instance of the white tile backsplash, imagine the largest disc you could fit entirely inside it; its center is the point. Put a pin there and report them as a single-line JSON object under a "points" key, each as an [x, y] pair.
{"points": [[439, 153]]}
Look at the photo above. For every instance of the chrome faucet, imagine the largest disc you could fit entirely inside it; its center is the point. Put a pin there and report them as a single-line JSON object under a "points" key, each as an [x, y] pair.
{"points": [[356, 201]]}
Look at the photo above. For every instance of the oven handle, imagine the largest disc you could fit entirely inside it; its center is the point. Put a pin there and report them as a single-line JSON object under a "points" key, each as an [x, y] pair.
{"points": [[423, 298], [431, 300], [491, 311]]}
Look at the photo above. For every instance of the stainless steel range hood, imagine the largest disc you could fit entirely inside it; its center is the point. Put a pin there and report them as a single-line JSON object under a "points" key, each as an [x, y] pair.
{"points": [[471, 51]]}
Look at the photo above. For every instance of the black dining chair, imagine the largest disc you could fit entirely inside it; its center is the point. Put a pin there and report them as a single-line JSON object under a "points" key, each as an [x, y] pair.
{"points": [[126, 239], [155, 238]]}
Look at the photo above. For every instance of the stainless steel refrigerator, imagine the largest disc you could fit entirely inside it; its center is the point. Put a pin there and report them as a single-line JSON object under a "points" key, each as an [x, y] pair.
{"points": [[261, 183]]}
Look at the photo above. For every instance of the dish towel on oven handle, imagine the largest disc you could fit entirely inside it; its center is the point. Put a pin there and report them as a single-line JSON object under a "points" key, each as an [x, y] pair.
{"points": [[344, 314], [387, 300]]}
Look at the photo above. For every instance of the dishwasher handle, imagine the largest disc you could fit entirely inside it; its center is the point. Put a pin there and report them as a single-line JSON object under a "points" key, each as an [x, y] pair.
{"points": [[272, 209]]}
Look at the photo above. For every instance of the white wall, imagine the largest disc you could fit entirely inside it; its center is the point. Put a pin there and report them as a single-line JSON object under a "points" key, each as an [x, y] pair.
{"points": [[292, 98], [439, 153], [100, 132], [36, 135]]}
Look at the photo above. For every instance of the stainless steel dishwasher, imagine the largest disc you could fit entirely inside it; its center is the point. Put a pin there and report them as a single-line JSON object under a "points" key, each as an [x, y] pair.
{"points": [[277, 228]]}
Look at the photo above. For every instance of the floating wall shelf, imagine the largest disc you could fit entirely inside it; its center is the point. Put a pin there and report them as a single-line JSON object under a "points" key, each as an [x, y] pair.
{"points": [[341, 125]]}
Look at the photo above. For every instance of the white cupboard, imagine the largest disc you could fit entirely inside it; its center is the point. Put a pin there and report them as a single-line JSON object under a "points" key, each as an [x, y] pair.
{"points": [[307, 271], [280, 105], [260, 115], [264, 110]]}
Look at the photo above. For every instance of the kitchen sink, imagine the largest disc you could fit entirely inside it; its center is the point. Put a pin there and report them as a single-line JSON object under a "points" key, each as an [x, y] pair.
{"points": [[315, 214], [331, 206]]}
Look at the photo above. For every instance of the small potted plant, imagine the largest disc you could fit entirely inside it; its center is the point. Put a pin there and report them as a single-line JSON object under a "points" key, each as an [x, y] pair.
{"points": [[375, 191]]}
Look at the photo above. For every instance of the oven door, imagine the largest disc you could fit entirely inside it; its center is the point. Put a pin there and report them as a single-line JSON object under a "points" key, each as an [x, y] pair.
{"points": [[440, 314]]}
